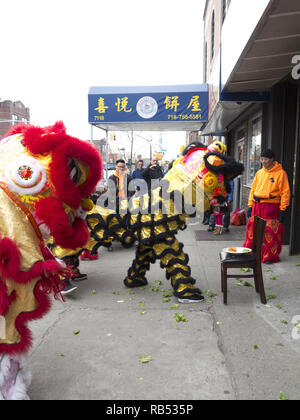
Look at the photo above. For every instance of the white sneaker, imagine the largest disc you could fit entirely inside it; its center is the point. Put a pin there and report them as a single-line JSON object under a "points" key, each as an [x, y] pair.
{"points": [[191, 299], [69, 287]]}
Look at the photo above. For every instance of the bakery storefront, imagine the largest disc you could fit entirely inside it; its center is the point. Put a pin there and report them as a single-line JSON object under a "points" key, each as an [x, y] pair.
{"points": [[259, 98]]}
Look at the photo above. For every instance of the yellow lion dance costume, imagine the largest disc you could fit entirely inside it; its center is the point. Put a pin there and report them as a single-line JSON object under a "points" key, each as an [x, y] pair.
{"points": [[45, 176], [201, 176]]}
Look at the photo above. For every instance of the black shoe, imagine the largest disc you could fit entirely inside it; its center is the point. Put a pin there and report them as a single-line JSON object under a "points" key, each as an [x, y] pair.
{"points": [[269, 262], [210, 229], [69, 287], [79, 277], [226, 230]]}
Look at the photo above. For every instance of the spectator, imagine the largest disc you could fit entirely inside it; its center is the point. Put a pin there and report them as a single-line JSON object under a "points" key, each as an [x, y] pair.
{"points": [[226, 209], [153, 171], [121, 191], [269, 198], [139, 180], [226, 221], [121, 180]]}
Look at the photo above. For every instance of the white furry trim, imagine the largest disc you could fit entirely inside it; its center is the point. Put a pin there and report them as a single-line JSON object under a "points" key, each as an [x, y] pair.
{"points": [[21, 186], [4, 368], [5, 140], [22, 380]]}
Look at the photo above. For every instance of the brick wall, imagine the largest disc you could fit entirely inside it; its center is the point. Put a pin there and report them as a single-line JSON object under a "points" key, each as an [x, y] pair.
{"points": [[216, 7], [7, 110]]}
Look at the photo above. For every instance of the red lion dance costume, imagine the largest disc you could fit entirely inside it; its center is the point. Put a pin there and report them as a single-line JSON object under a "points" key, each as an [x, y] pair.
{"points": [[45, 176]]}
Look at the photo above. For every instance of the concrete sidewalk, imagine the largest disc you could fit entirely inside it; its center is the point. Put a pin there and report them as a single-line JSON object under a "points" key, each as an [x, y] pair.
{"points": [[211, 356]]}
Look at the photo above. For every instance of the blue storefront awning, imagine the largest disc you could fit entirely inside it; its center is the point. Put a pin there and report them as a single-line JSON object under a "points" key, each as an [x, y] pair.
{"points": [[149, 108]]}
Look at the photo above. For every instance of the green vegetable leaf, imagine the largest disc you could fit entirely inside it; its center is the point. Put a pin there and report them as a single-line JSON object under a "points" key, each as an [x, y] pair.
{"points": [[272, 278], [154, 289], [210, 293], [270, 297], [180, 318], [247, 284], [176, 306], [76, 332], [145, 359], [167, 294], [282, 397]]}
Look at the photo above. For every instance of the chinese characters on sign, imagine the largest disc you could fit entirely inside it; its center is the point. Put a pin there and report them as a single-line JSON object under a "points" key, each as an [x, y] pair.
{"points": [[121, 105], [186, 106], [172, 103], [101, 107]]}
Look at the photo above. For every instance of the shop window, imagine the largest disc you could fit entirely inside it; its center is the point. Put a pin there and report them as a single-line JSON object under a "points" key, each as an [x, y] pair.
{"points": [[15, 119], [254, 148]]}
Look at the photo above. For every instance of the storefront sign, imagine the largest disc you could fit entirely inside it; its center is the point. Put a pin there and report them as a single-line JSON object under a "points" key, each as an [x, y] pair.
{"points": [[168, 106]]}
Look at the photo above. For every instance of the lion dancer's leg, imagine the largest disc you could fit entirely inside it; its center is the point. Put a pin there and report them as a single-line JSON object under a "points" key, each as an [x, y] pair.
{"points": [[136, 274], [175, 261]]}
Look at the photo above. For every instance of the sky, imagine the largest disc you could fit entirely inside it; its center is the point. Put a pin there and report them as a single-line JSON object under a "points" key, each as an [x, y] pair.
{"points": [[52, 52]]}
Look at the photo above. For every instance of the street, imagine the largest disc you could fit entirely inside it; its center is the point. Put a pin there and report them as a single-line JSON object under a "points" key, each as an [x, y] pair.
{"points": [[94, 346]]}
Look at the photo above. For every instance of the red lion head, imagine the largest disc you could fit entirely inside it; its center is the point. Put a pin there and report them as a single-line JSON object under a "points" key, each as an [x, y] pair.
{"points": [[52, 173]]}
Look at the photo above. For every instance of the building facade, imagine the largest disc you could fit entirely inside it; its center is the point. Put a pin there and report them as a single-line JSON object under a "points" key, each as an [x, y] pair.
{"points": [[255, 90], [12, 113]]}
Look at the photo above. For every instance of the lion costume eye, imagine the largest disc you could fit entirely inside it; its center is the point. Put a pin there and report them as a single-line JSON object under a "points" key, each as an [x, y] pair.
{"points": [[25, 175], [79, 172], [75, 172]]}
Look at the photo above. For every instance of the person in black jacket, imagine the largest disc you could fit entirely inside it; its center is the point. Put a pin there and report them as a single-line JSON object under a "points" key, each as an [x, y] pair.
{"points": [[153, 171]]}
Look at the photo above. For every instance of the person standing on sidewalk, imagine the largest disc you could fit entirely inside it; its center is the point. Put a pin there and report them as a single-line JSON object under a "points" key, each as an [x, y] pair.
{"points": [[121, 190], [121, 180], [139, 180], [226, 221], [269, 198], [153, 171]]}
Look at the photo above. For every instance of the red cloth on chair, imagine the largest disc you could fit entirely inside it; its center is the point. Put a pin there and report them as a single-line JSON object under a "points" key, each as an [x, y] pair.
{"points": [[273, 239]]}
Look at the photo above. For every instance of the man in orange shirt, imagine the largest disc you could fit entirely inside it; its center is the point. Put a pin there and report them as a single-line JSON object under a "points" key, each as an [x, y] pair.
{"points": [[269, 198]]}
